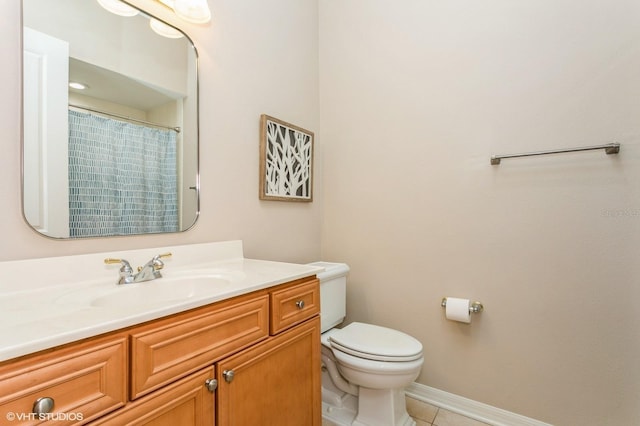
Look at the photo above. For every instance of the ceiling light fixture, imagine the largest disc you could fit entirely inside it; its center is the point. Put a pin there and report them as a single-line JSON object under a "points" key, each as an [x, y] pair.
{"points": [[194, 11], [118, 7], [77, 85]]}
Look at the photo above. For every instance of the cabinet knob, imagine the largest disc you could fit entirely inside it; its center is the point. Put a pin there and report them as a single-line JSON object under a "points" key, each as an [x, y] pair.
{"points": [[228, 375], [43, 405], [211, 384], [300, 304]]}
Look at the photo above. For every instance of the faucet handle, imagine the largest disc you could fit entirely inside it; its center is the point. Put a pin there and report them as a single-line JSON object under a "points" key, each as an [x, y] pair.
{"points": [[126, 271], [157, 263], [110, 261]]}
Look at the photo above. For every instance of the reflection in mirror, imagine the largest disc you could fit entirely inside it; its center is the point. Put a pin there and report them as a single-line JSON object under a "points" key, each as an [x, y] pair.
{"points": [[110, 122]]}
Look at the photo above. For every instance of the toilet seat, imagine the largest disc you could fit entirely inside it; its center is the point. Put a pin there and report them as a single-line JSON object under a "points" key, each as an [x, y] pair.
{"points": [[375, 343], [378, 368]]}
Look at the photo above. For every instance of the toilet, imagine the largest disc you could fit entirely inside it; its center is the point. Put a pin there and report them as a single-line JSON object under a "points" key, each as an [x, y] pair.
{"points": [[365, 367]]}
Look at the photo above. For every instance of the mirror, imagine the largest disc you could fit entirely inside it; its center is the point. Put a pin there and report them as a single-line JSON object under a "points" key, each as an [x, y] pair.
{"points": [[119, 157]]}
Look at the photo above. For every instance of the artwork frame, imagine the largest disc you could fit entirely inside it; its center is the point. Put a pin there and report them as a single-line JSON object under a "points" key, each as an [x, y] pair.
{"points": [[286, 161]]}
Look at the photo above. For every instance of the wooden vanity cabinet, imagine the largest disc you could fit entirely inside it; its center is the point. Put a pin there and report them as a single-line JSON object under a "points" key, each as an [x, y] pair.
{"points": [[252, 360], [265, 350]]}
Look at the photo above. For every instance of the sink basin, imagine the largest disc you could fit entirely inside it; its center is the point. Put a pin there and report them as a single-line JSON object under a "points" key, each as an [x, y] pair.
{"points": [[159, 291], [149, 293]]}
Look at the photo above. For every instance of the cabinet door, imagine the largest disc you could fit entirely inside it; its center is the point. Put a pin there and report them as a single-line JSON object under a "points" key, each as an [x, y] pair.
{"points": [[274, 383], [186, 402]]}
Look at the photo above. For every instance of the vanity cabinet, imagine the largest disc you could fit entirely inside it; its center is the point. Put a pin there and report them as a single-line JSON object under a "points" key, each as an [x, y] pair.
{"points": [[250, 360]]}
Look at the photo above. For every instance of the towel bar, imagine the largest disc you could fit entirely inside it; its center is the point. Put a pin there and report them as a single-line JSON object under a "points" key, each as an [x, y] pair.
{"points": [[610, 148]]}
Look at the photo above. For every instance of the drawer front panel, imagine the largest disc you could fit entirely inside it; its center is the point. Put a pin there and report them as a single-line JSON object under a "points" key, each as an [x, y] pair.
{"points": [[175, 347], [294, 304], [84, 382]]}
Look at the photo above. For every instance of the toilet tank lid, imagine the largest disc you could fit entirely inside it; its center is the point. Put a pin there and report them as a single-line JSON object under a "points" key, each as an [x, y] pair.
{"points": [[331, 270]]}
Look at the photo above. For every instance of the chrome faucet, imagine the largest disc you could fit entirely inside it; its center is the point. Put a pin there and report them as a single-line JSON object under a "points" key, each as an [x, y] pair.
{"points": [[150, 271]]}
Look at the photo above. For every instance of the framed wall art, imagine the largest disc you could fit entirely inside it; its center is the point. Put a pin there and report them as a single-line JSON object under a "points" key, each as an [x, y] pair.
{"points": [[286, 161]]}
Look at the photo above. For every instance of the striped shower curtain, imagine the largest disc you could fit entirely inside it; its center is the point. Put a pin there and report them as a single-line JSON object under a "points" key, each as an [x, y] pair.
{"points": [[122, 178]]}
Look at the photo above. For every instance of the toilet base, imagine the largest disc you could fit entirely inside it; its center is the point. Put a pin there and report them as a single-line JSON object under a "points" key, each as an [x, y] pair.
{"points": [[378, 408], [343, 415], [386, 407]]}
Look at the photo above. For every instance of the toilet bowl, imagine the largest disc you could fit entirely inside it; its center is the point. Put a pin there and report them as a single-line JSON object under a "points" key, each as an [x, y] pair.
{"points": [[376, 357], [365, 367]]}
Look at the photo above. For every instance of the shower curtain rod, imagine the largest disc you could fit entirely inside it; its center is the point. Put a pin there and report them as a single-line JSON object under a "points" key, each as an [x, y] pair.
{"points": [[175, 129]]}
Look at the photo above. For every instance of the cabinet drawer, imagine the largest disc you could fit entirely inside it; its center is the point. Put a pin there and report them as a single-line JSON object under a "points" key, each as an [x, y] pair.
{"points": [[84, 381], [171, 348], [294, 304]]}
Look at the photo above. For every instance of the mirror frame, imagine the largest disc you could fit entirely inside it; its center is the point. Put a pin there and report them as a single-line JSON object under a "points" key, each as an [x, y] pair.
{"points": [[196, 135]]}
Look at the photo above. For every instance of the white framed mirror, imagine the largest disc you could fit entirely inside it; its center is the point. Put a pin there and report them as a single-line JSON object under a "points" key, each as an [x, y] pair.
{"points": [[110, 121]]}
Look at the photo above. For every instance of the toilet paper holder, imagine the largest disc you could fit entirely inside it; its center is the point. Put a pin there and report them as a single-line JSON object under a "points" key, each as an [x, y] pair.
{"points": [[474, 307]]}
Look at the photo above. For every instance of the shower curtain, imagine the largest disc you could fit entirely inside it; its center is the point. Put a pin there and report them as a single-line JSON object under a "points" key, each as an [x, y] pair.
{"points": [[122, 177]]}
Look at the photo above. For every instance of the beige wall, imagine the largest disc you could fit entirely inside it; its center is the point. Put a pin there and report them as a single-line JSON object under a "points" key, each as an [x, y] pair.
{"points": [[255, 57], [415, 97]]}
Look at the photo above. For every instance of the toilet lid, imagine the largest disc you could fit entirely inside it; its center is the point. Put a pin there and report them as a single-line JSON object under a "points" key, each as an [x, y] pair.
{"points": [[376, 343]]}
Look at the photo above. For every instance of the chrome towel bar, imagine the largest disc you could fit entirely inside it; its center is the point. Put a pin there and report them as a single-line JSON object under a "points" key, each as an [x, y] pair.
{"points": [[610, 148]]}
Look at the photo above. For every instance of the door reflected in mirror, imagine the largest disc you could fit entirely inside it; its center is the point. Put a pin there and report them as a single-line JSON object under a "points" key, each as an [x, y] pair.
{"points": [[110, 122]]}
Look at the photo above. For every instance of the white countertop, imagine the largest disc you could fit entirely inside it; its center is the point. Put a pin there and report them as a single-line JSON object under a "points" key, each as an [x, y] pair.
{"points": [[52, 301]]}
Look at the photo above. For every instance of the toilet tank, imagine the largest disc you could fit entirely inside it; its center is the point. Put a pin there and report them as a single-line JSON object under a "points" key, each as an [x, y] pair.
{"points": [[333, 293]]}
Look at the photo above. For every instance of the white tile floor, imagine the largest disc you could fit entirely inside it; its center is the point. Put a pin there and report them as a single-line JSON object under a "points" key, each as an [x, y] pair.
{"points": [[428, 415]]}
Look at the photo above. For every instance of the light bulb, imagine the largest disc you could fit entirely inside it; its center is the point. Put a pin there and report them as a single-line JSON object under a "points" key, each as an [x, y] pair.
{"points": [[195, 11], [118, 7], [77, 85], [164, 29]]}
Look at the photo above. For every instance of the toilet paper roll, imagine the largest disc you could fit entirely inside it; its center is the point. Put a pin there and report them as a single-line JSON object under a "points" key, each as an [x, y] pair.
{"points": [[458, 310]]}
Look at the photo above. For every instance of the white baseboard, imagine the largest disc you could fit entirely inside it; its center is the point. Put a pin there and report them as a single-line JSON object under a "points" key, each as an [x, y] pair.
{"points": [[469, 408]]}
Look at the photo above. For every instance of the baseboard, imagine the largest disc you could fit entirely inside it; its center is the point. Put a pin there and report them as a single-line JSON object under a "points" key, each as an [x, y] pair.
{"points": [[469, 408]]}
